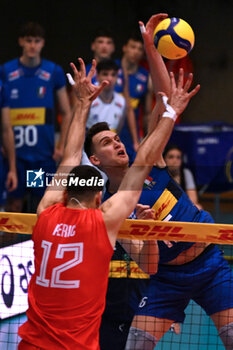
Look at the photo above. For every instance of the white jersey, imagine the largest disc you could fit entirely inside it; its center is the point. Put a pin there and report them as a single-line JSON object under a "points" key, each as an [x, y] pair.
{"points": [[111, 113]]}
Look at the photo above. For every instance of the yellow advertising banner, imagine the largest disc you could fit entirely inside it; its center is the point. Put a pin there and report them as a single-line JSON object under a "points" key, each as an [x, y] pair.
{"points": [[138, 229], [17, 222]]}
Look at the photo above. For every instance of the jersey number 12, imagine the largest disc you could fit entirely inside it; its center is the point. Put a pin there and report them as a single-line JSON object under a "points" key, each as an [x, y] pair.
{"points": [[56, 281]]}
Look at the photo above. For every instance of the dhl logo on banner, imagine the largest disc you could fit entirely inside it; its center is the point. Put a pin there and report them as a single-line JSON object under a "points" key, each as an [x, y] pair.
{"points": [[122, 269], [27, 116], [138, 229]]}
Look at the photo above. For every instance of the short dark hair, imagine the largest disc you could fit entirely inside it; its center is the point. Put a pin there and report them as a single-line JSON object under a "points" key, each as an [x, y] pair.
{"points": [[102, 32], [170, 147], [135, 36], [95, 129], [107, 64], [32, 29], [91, 182]]}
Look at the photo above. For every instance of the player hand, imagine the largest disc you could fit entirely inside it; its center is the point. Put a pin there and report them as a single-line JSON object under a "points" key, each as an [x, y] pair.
{"points": [[11, 181], [148, 31], [175, 327], [144, 212], [180, 96], [82, 86], [58, 154]]}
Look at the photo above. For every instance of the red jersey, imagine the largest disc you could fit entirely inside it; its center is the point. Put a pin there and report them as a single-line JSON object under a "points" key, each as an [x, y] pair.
{"points": [[67, 292]]}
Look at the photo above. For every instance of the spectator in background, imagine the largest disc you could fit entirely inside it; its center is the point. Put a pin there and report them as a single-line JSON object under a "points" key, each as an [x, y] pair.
{"points": [[32, 82], [102, 47], [139, 90], [8, 177], [173, 157], [109, 106]]}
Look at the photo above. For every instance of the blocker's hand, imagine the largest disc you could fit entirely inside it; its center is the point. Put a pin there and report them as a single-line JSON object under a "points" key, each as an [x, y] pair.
{"points": [[82, 84], [180, 96], [144, 212], [148, 31]]}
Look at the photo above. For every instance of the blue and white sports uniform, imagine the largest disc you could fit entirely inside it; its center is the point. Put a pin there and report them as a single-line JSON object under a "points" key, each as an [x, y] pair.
{"points": [[3, 165], [137, 90], [207, 279], [31, 98]]}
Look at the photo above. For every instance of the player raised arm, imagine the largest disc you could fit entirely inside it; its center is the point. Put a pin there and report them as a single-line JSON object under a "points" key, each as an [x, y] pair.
{"points": [[120, 205], [85, 93], [158, 71]]}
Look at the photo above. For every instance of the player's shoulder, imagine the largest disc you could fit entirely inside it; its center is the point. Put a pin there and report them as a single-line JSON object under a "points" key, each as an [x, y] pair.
{"points": [[50, 65], [12, 64], [10, 70], [119, 98], [51, 210]]}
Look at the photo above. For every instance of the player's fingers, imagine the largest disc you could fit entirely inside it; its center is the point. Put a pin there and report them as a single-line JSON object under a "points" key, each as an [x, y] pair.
{"points": [[76, 72], [70, 79], [195, 91], [168, 244], [99, 89], [142, 27], [142, 206], [92, 70], [188, 82], [172, 81], [155, 20], [82, 68], [149, 214], [180, 79]]}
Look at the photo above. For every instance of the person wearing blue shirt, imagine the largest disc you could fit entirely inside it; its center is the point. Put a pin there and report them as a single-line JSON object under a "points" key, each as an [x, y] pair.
{"points": [[102, 46], [31, 83], [136, 79], [163, 302]]}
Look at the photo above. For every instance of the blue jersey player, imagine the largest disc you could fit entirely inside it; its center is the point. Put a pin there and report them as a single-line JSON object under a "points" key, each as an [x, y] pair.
{"points": [[8, 175], [186, 270], [102, 46], [131, 76], [32, 83], [163, 303]]}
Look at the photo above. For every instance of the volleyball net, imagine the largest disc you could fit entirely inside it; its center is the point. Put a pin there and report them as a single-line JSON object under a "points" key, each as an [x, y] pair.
{"points": [[197, 332]]}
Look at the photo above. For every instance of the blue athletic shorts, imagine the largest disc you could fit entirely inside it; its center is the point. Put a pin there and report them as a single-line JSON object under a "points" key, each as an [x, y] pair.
{"points": [[208, 280], [48, 166]]}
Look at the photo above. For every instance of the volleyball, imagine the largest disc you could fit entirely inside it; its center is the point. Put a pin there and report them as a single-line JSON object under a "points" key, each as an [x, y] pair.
{"points": [[173, 38]]}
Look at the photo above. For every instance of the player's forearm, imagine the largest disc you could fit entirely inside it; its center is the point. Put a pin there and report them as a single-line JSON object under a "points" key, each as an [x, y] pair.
{"points": [[66, 120], [152, 146], [144, 253], [9, 147], [132, 123], [76, 132], [158, 70], [155, 116]]}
